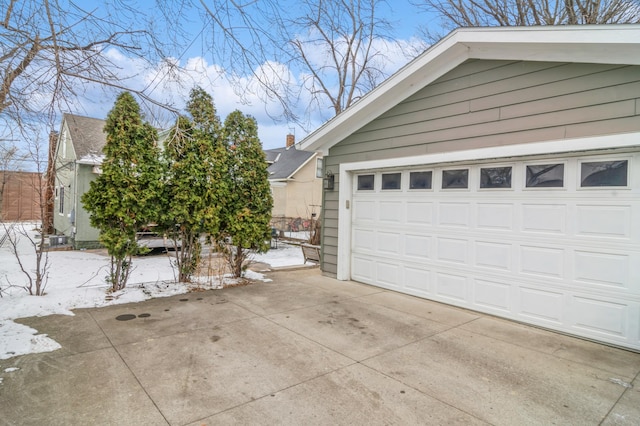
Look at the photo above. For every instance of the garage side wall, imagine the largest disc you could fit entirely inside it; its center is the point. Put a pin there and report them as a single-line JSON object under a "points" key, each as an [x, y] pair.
{"points": [[490, 103]]}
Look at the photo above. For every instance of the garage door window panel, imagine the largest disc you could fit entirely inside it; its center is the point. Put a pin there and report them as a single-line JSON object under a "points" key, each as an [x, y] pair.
{"points": [[455, 179], [366, 182], [604, 173], [545, 175], [420, 180], [495, 177], [391, 181]]}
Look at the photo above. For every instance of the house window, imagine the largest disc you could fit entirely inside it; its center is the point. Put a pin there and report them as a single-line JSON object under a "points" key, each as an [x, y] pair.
{"points": [[495, 177], [391, 181], [545, 176], [455, 179], [365, 182], [61, 200], [319, 168], [603, 173], [420, 180]]}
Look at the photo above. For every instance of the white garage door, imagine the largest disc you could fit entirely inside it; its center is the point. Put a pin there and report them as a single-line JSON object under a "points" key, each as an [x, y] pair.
{"points": [[551, 242]]}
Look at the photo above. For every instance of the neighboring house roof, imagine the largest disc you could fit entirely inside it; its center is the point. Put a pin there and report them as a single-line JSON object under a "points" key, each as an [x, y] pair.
{"points": [[285, 162], [87, 136], [609, 44], [272, 154]]}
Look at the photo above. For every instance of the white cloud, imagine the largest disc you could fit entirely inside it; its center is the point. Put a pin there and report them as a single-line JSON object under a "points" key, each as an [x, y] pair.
{"points": [[170, 81]]}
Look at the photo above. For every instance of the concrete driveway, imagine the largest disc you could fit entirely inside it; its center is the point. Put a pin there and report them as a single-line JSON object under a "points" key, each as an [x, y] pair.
{"points": [[307, 349]]}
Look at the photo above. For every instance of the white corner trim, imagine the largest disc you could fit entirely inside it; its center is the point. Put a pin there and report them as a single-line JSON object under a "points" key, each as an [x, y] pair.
{"points": [[343, 271], [345, 203]]}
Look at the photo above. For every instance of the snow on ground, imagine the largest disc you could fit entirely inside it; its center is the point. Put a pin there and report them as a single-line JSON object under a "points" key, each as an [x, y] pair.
{"points": [[76, 279]]}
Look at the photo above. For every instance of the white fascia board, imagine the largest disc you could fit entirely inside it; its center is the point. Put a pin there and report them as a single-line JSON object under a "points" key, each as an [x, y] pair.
{"points": [[559, 52], [615, 44], [574, 34]]}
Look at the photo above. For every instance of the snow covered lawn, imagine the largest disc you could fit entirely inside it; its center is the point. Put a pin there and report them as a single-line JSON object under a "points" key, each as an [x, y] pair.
{"points": [[76, 279]]}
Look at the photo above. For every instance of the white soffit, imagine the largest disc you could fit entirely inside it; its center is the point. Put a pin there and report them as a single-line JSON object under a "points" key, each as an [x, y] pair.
{"points": [[614, 44]]}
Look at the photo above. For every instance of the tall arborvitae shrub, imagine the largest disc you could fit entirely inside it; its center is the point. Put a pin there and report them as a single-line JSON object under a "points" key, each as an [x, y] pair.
{"points": [[248, 211], [195, 182], [123, 199]]}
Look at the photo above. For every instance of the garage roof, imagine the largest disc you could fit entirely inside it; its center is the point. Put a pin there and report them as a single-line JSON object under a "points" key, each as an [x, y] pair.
{"points": [[605, 44]]}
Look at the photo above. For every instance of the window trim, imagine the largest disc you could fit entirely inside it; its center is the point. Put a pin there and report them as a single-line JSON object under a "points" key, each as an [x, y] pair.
{"points": [[598, 159], [512, 181], [431, 187], [382, 188], [465, 168], [319, 168], [61, 200], [357, 182], [550, 161]]}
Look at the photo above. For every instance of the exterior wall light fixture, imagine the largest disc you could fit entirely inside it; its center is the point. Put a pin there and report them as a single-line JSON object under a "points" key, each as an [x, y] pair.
{"points": [[328, 181]]}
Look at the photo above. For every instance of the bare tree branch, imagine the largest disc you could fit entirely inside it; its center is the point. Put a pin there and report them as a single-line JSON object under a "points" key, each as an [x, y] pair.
{"points": [[51, 49], [476, 13], [333, 46]]}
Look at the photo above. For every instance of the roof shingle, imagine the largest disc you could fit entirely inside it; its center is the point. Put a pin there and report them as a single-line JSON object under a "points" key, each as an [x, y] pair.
{"points": [[87, 135], [286, 161]]}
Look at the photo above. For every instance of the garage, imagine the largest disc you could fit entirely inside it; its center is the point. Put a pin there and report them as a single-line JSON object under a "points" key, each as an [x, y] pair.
{"points": [[498, 172], [549, 241]]}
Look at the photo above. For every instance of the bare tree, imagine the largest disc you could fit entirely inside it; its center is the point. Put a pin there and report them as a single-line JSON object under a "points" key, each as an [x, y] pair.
{"points": [[491, 13], [50, 49], [336, 46], [17, 233]]}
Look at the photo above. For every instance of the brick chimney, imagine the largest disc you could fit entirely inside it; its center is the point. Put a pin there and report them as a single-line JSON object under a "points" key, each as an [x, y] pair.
{"points": [[291, 140]]}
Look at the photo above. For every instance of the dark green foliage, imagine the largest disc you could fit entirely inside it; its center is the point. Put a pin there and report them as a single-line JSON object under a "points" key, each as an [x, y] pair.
{"points": [[195, 181], [248, 213], [124, 198], [212, 182]]}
